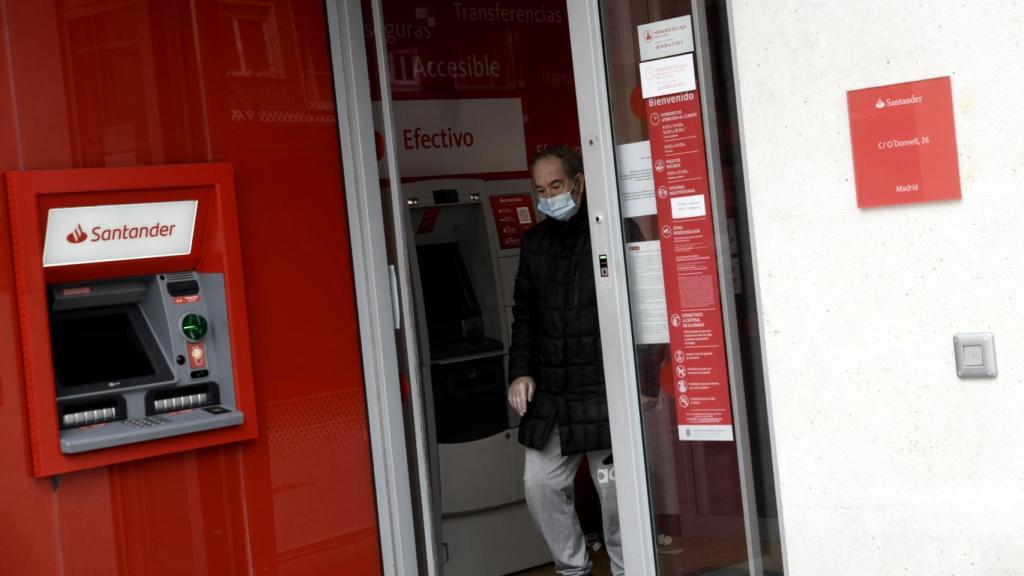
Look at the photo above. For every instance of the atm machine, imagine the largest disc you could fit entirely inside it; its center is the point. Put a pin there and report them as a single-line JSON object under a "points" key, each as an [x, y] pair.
{"points": [[464, 262], [125, 353], [132, 316]]}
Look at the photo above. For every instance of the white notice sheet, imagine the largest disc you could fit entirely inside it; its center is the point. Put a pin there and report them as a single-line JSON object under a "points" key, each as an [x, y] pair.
{"points": [[691, 206], [647, 292], [665, 38], [667, 76], [636, 179]]}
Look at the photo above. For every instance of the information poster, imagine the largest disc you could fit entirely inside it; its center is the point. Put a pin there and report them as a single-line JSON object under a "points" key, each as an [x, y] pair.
{"points": [[904, 143], [647, 292], [667, 76], [636, 181], [689, 263], [665, 38], [513, 216]]}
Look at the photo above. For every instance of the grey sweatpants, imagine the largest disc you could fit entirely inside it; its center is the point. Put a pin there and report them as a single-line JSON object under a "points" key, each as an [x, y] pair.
{"points": [[548, 477]]}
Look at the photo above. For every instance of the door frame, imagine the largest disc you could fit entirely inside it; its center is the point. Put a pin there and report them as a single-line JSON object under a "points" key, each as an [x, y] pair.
{"points": [[606, 240], [612, 291], [380, 302]]}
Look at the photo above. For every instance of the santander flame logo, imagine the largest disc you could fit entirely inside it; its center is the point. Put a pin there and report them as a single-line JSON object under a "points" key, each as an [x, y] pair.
{"points": [[77, 235]]}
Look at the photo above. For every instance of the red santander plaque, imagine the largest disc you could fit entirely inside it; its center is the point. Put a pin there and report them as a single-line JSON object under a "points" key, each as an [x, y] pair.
{"points": [[904, 143]]}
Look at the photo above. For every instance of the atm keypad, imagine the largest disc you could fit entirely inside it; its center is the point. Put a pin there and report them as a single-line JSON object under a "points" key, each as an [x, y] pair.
{"points": [[147, 422]]}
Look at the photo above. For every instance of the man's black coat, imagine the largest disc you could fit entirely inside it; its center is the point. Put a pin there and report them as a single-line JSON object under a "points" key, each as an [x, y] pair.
{"points": [[556, 338]]}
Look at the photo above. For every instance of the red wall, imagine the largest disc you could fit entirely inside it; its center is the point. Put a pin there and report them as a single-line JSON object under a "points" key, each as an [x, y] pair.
{"points": [[136, 82]]}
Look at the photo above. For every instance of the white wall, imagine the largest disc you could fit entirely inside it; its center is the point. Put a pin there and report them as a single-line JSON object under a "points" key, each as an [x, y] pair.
{"points": [[887, 462]]}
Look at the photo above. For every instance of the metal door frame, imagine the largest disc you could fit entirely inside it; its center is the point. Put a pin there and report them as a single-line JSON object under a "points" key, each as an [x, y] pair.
{"points": [[380, 300], [612, 296]]}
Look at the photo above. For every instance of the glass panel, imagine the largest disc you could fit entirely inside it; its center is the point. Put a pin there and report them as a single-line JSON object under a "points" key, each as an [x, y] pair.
{"points": [[421, 482], [669, 228], [477, 89]]}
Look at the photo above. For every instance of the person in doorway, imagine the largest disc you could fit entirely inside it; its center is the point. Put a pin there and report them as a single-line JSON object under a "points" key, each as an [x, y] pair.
{"points": [[555, 366]]}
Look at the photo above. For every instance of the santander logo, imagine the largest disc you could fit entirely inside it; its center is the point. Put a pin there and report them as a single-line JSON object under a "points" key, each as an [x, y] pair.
{"points": [[77, 235], [101, 234]]}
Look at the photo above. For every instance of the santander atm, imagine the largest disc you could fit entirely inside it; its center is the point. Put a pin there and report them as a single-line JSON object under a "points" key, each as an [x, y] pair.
{"points": [[131, 305], [465, 259]]}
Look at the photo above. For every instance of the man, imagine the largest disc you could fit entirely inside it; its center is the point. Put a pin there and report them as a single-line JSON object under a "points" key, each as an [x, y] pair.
{"points": [[555, 366]]}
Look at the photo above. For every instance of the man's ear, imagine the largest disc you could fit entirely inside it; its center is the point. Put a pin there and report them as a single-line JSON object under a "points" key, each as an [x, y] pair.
{"points": [[581, 186]]}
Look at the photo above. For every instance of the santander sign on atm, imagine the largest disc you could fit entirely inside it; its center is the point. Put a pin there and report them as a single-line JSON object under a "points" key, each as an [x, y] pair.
{"points": [[126, 232], [92, 234]]}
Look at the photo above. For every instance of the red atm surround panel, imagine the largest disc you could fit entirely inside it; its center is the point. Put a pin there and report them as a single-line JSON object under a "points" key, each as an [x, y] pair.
{"points": [[215, 249]]}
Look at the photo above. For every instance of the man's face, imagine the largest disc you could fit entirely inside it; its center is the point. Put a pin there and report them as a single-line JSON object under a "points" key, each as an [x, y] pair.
{"points": [[550, 179]]}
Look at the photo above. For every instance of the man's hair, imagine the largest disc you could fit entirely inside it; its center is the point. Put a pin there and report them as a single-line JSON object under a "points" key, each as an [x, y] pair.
{"points": [[572, 164]]}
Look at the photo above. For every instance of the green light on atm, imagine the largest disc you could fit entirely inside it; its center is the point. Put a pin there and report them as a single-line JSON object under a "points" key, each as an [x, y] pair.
{"points": [[194, 327]]}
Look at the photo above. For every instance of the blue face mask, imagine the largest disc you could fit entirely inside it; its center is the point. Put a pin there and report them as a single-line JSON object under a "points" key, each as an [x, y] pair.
{"points": [[561, 207]]}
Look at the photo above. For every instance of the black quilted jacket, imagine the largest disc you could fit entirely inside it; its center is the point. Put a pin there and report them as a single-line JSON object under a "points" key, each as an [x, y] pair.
{"points": [[556, 339]]}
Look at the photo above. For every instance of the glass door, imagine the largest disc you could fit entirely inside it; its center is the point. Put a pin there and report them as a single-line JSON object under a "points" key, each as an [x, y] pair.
{"points": [[421, 451], [457, 104], [401, 473], [672, 250]]}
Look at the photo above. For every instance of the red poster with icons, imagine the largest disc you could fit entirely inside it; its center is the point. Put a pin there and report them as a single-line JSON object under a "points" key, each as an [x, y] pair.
{"points": [[904, 143], [690, 265], [513, 216]]}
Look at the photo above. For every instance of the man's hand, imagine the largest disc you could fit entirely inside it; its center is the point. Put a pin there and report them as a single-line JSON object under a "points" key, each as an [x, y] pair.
{"points": [[520, 392]]}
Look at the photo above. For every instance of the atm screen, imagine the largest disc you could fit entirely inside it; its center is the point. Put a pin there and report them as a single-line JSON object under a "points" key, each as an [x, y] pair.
{"points": [[103, 345], [446, 286]]}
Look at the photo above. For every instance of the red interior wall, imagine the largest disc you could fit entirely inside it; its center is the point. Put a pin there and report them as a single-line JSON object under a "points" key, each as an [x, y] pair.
{"points": [[136, 82]]}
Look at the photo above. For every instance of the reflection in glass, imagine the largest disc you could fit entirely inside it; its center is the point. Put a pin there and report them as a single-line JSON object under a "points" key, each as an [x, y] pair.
{"points": [[98, 83]]}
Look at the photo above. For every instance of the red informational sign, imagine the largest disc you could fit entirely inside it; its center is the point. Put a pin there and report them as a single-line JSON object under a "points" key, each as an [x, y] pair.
{"points": [[904, 143], [689, 262], [513, 216]]}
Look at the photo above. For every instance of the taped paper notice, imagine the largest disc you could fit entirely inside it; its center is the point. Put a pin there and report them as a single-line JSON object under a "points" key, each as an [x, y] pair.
{"points": [[665, 38], [647, 292], [636, 179], [667, 76]]}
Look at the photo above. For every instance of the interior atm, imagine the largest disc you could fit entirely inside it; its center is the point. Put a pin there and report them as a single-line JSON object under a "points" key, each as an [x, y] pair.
{"points": [[466, 234], [131, 305]]}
